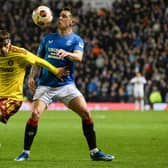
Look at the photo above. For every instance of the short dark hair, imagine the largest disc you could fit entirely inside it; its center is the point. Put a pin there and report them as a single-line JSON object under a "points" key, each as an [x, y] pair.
{"points": [[4, 35], [69, 9]]}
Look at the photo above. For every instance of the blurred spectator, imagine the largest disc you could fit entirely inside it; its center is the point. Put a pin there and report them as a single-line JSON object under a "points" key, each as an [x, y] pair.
{"points": [[155, 96], [138, 82], [92, 88]]}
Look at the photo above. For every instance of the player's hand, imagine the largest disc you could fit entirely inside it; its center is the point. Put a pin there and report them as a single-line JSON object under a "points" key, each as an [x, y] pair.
{"points": [[63, 71], [31, 84], [62, 53]]}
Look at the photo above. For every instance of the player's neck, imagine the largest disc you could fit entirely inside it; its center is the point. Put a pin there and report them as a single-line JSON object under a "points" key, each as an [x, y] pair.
{"points": [[64, 32]]}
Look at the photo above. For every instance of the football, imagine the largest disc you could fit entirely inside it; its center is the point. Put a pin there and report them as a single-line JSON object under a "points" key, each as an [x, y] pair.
{"points": [[42, 16]]}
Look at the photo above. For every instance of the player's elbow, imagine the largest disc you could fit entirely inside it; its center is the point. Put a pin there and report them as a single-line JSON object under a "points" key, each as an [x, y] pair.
{"points": [[78, 56], [80, 59], [77, 59]]}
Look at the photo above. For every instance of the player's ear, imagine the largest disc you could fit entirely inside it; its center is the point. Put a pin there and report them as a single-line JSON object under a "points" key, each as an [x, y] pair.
{"points": [[74, 21]]}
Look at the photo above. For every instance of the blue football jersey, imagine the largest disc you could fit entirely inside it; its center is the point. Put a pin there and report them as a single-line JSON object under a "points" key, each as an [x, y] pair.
{"points": [[48, 50]]}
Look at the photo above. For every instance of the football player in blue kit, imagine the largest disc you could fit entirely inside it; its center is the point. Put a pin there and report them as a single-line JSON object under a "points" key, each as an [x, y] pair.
{"points": [[62, 48]]}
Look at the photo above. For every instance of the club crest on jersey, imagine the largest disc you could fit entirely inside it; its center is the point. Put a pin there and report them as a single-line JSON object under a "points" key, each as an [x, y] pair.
{"points": [[68, 42], [10, 62]]}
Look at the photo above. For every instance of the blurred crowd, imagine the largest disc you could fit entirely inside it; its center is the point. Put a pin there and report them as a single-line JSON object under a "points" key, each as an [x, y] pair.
{"points": [[129, 36]]}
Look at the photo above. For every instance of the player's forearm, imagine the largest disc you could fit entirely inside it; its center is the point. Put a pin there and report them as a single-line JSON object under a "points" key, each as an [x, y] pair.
{"points": [[75, 56], [35, 71]]}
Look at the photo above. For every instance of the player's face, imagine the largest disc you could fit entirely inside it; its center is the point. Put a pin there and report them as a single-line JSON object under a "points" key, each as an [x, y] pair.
{"points": [[5, 46], [65, 20]]}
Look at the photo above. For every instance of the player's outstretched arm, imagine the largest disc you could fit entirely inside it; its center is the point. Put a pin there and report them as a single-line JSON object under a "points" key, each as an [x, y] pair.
{"points": [[37, 61], [58, 72]]}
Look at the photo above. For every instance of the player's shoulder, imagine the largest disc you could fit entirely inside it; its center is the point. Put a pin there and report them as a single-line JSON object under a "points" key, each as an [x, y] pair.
{"points": [[17, 49], [76, 36], [77, 40], [142, 77]]}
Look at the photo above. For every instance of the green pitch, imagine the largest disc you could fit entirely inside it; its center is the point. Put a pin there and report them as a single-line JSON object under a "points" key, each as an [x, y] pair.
{"points": [[137, 139]]}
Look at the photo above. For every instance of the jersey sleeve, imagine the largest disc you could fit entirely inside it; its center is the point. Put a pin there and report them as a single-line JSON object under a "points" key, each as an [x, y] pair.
{"points": [[79, 45], [132, 80], [31, 58], [144, 80]]}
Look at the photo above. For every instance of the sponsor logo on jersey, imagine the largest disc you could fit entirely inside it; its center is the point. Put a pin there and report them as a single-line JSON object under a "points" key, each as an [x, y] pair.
{"points": [[6, 69], [53, 53], [68, 42], [50, 41]]}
